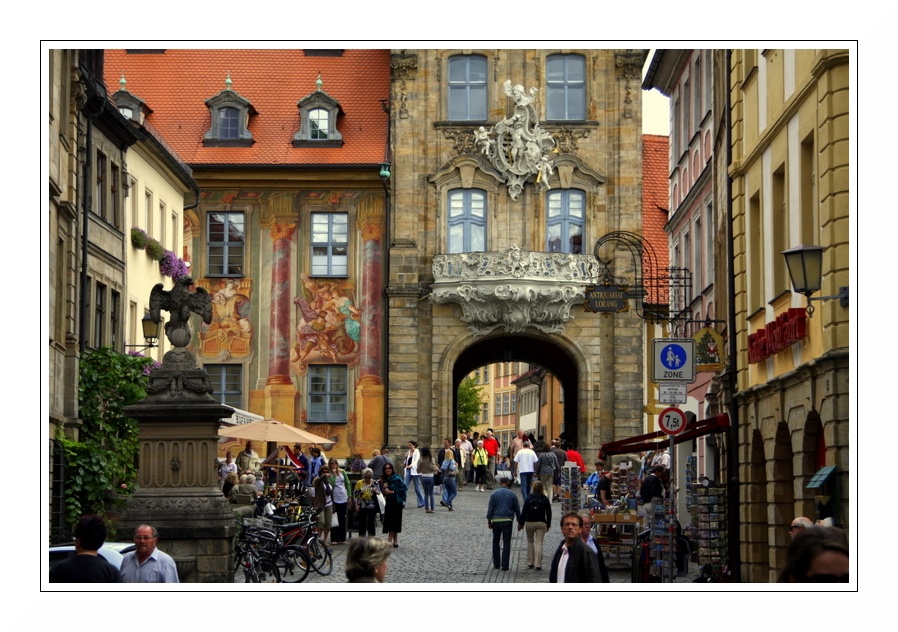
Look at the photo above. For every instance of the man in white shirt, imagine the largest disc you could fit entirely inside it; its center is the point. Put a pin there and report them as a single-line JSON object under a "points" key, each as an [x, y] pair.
{"points": [[526, 462]]}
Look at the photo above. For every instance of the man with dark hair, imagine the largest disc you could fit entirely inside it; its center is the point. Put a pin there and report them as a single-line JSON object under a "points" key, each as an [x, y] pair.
{"points": [[87, 566], [574, 562], [561, 457], [501, 515]]}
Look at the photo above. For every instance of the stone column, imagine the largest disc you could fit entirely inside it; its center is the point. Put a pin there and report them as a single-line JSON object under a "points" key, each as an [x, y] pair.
{"points": [[369, 388], [279, 323], [178, 493]]}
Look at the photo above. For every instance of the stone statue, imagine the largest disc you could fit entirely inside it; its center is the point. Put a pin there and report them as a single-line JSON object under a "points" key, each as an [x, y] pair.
{"points": [[520, 148], [180, 301]]}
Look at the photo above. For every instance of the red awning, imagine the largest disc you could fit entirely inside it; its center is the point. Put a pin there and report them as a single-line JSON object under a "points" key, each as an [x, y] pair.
{"points": [[649, 441]]}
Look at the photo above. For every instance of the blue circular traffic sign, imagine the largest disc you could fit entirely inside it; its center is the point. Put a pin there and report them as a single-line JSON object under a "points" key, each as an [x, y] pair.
{"points": [[673, 357]]}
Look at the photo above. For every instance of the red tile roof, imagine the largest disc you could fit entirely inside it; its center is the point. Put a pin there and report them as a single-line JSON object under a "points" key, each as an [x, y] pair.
{"points": [[177, 83], [655, 197]]}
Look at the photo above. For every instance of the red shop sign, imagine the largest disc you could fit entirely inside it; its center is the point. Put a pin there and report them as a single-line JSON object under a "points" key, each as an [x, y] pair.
{"points": [[788, 328]]}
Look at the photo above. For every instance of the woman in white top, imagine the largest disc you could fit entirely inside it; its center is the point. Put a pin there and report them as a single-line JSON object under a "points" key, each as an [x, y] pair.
{"points": [[339, 480], [411, 471]]}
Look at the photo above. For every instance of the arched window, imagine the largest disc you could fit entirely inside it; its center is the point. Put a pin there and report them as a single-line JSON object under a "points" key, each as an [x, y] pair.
{"points": [[564, 221], [467, 221], [228, 123], [318, 124], [467, 88]]}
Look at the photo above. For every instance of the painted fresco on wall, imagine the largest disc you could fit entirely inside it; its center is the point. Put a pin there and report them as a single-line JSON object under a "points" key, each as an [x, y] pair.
{"points": [[328, 325], [230, 334]]}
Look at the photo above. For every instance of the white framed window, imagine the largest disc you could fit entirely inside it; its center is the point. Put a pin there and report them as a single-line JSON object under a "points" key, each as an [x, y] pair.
{"points": [[229, 114], [564, 221], [225, 241], [565, 88], [467, 220], [467, 88], [330, 244], [328, 396]]}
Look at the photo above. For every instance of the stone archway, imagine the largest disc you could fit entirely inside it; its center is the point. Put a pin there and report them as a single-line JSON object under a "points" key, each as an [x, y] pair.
{"points": [[546, 352]]}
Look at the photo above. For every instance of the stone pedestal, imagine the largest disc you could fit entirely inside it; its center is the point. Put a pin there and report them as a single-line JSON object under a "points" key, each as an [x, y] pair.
{"points": [[178, 492]]}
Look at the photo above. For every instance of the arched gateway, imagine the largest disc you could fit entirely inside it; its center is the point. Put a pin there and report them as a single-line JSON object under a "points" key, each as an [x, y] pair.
{"points": [[553, 355]]}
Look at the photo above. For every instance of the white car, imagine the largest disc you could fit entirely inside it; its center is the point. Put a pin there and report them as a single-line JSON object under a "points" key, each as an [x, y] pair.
{"points": [[114, 552]]}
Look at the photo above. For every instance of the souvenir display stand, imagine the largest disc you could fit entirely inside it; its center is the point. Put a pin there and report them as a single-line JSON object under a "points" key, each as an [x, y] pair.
{"points": [[662, 551], [570, 488], [709, 515]]}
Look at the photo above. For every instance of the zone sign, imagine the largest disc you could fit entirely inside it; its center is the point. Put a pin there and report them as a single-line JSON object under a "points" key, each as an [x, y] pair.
{"points": [[672, 421], [673, 360]]}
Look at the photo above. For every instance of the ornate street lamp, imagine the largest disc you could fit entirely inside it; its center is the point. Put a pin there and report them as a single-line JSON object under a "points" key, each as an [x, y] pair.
{"points": [[151, 331], [805, 264]]}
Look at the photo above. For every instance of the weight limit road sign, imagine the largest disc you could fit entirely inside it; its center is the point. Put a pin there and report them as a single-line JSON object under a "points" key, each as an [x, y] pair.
{"points": [[672, 421]]}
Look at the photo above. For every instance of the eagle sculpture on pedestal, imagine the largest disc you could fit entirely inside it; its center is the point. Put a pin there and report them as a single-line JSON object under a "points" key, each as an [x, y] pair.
{"points": [[180, 301]]}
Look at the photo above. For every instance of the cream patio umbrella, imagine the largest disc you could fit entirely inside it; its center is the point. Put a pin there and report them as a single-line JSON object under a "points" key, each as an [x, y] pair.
{"points": [[272, 430]]}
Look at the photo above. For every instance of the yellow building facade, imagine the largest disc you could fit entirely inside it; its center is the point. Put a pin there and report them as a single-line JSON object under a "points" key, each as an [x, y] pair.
{"points": [[790, 144]]}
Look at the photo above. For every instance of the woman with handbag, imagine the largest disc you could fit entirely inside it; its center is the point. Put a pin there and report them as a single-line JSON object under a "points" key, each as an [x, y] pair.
{"points": [[394, 490], [365, 498], [450, 479], [339, 480], [323, 499], [426, 470]]}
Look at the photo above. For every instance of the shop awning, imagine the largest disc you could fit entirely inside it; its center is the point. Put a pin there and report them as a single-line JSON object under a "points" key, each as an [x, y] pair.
{"points": [[821, 476], [659, 440], [240, 417]]}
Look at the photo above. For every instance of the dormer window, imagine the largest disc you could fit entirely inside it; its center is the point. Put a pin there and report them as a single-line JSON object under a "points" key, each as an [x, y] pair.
{"points": [[318, 114], [229, 113], [129, 105]]}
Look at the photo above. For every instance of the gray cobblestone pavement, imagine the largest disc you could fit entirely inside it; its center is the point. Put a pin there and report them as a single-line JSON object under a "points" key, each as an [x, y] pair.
{"points": [[428, 538]]}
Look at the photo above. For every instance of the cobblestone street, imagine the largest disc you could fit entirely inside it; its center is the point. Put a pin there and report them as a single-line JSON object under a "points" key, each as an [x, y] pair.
{"points": [[456, 547]]}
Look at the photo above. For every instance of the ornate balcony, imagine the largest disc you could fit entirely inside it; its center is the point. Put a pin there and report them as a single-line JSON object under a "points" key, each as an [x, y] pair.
{"points": [[515, 289]]}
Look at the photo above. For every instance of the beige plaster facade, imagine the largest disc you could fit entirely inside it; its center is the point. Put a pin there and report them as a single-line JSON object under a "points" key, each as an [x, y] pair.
{"points": [[598, 358]]}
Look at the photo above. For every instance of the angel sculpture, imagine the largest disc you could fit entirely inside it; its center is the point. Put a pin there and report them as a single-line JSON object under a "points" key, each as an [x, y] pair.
{"points": [[180, 301]]}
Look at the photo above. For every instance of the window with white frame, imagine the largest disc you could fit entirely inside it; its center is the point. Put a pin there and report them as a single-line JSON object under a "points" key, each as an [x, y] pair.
{"points": [[505, 404], [229, 114], [227, 383], [564, 221], [330, 244], [467, 88], [318, 114], [225, 241], [328, 394], [467, 220], [565, 88], [498, 405]]}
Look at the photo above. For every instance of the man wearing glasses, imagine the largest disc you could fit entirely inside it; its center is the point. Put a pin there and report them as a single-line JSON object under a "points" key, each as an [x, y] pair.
{"points": [[147, 564], [574, 562], [798, 525]]}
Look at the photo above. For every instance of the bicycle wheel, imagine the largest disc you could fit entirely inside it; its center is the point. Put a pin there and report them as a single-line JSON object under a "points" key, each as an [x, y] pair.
{"points": [[320, 555], [293, 564], [264, 572]]}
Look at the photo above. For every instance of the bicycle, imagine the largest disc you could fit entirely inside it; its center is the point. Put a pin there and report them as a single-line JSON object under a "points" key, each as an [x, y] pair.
{"points": [[257, 567], [304, 534]]}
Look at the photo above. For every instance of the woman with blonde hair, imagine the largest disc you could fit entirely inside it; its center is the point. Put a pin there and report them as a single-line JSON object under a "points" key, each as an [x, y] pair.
{"points": [[450, 479], [366, 560]]}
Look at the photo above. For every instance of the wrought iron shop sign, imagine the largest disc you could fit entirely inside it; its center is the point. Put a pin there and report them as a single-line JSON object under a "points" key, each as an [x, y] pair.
{"points": [[606, 298]]}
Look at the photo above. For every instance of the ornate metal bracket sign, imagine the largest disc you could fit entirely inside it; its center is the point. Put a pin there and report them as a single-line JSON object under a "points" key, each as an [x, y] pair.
{"points": [[517, 146]]}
